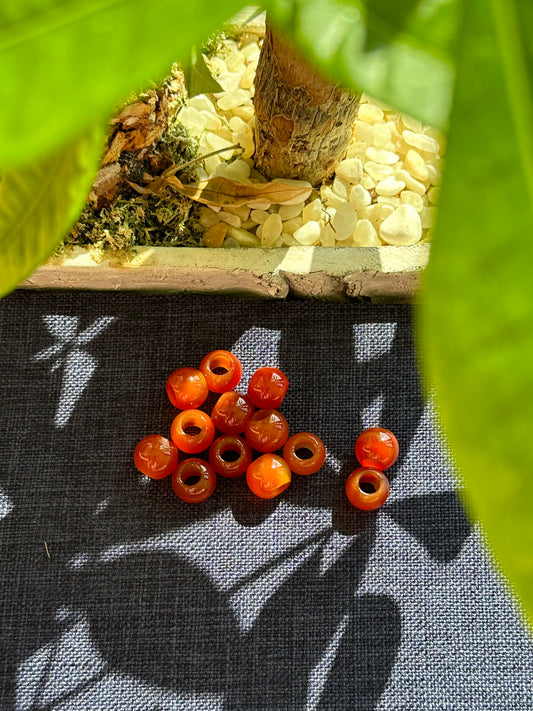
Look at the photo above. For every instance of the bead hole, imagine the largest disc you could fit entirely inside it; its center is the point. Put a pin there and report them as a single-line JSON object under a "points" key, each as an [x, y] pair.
{"points": [[369, 484], [230, 455], [303, 453], [191, 480], [192, 430], [220, 370], [219, 366]]}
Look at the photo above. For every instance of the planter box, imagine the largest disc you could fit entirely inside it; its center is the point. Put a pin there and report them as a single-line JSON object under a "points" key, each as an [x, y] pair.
{"points": [[377, 273]]}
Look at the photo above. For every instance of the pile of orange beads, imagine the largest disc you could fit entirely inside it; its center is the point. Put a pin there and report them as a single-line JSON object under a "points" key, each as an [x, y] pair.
{"points": [[230, 434], [367, 487]]}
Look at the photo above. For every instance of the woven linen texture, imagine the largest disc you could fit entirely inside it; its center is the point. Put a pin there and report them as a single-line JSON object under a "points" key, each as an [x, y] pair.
{"points": [[115, 595]]}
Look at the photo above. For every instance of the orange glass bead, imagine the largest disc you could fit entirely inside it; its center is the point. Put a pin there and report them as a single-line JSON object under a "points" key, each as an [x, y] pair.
{"points": [[304, 453], [367, 488], [201, 431], [186, 388], [230, 455], [155, 456], [377, 447], [194, 480], [231, 412], [229, 367], [267, 388], [266, 430], [268, 476]]}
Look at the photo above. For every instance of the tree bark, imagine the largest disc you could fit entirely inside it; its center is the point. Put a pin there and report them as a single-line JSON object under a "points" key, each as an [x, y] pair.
{"points": [[303, 121]]}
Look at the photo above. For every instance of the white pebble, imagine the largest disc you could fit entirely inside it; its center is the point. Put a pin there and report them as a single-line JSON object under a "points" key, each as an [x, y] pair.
{"points": [[380, 136], [365, 235], [271, 230], [249, 49], [372, 213], [211, 164], [245, 141], [378, 171], [243, 237], [370, 113], [242, 211], [368, 182], [363, 131], [385, 157], [245, 112], [212, 121], [312, 211], [247, 78], [290, 226], [288, 240], [420, 141], [433, 195], [344, 221], [434, 173], [234, 61], [410, 198], [193, 120], [232, 99], [410, 123], [350, 169], [207, 217], [327, 236], [238, 170], [416, 165], [229, 81], [216, 142], [390, 186], [286, 212], [308, 234], [259, 216], [340, 188], [237, 125], [231, 243], [253, 57], [385, 211], [402, 227], [427, 216], [356, 149], [411, 183], [329, 197], [201, 102], [386, 200], [359, 197], [229, 219]]}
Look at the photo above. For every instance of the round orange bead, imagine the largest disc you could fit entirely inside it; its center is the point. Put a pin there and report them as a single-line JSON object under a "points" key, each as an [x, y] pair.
{"points": [[304, 453], [367, 488], [377, 447], [155, 456], [221, 459], [229, 367], [268, 387], [266, 430], [231, 412], [194, 480], [201, 435], [186, 388], [268, 476]]}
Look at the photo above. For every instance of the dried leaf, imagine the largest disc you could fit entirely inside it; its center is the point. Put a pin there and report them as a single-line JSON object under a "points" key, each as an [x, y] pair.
{"points": [[221, 191]]}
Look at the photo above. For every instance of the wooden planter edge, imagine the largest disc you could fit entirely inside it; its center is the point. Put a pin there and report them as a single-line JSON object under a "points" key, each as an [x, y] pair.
{"points": [[379, 273]]}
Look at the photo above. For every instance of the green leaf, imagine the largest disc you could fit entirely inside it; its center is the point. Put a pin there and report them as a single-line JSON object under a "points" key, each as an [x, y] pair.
{"points": [[399, 52], [64, 65], [39, 203], [477, 313], [198, 78]]}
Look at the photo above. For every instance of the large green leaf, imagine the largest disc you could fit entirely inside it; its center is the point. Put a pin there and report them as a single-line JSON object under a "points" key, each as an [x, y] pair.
{"points": [[477, 313], [64, 64], [399, 51], [38, 204]]}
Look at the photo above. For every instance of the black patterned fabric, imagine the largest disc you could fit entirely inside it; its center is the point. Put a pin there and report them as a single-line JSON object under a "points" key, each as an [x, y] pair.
{"points": [[115, 595]]}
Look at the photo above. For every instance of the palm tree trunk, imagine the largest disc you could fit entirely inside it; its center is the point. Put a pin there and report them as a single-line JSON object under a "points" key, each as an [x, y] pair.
{"points": [[303, 121]]}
